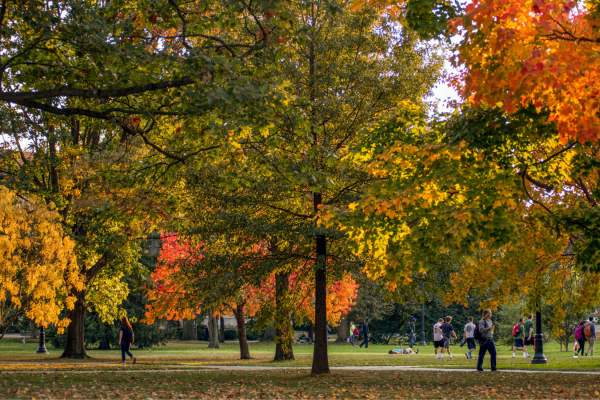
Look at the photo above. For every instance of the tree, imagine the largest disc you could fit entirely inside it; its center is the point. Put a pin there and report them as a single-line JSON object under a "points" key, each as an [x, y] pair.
{"points": [[106, 112], [517, 53], [37, 263], [348, 67]]}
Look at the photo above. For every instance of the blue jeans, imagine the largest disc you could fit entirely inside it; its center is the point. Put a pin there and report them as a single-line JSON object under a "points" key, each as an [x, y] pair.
{"points": [[125, 349], [413, 339], [490, 346], [352, 339], [365, 342]]}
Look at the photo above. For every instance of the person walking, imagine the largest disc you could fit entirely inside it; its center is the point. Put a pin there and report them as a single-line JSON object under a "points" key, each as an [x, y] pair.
{"points": [[468, 336], [365, 332], [438, 337], [486, 340], [125, 339], [412, 332], [447, 330], [590, 334], [528, 334], [580, 337], [352, 328], [518, 334]]}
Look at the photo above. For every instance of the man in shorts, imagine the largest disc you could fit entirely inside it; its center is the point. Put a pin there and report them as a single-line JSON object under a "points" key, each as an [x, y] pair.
{"points": [[468, 336], [438, 337], [519, 339], [447, 330], [528, 334]]}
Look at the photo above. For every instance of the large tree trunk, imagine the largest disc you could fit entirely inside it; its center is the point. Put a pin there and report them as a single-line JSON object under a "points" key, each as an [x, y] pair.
{"points": [[75, 346], [320, 359], [189, 330], [343, 330], [222, 330], [213, 331], [104, 345], [269, 335], [284, 334], [241, 323], [32, 330]]}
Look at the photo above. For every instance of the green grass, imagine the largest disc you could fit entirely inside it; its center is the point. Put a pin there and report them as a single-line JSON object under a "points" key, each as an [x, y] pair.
{"points": [[296, 384], [196, 354]]}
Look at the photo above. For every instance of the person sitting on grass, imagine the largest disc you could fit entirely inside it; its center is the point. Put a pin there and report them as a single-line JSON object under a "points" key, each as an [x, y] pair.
{"points": [[399, 350]]}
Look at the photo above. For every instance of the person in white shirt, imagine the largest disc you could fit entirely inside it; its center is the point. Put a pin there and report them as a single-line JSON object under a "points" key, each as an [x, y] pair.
{"points": [[438, 337], [468, 336]]}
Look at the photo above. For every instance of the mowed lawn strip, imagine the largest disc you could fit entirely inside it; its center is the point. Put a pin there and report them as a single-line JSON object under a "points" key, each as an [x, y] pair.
{"points": [[204, 384], [195, 353]]}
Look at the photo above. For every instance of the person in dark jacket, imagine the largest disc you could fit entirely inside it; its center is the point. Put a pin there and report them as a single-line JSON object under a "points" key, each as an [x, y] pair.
{"points": [[486, 341], [412, 333], [125, 339], [365, 332]]}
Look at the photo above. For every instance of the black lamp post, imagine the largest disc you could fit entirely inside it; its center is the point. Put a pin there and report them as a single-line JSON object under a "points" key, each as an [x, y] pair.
{"points": [[422, 343], [539, 357], [42, 347]]}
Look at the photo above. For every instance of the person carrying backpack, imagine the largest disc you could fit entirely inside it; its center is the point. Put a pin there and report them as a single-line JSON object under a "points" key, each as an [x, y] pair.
{"points": [[365, 332], [590, 334], [352, 329], [125, 339], [484, 335], [518, 330], [580, 337]]}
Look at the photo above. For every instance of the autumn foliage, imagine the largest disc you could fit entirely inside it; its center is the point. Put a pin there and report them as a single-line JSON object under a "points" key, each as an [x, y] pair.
{"points": [[541, 52], [37, 263], [170, 299]]}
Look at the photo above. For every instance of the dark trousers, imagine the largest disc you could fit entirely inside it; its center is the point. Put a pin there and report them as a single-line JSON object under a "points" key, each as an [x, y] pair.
{"points": [[581, 345], [413, 339], [352, 339], [125, 349], [487, 345], [365, 342]]}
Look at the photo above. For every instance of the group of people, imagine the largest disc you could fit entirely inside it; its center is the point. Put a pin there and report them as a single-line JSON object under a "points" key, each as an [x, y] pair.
{"points": [[364, 330], [443, 332], [585, 332]]}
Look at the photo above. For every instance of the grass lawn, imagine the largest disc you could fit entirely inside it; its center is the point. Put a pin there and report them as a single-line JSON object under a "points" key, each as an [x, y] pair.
{"points": [[297, 384], [26, 375], [196, 354]]}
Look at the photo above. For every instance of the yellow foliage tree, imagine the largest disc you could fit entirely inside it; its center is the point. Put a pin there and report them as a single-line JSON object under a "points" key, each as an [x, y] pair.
{"points": [[37, 263]]}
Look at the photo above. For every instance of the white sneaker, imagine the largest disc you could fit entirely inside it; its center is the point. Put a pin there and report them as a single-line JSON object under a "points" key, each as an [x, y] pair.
{"points": [[436, 357], [513, 356], [575, 356], [452, 357]]}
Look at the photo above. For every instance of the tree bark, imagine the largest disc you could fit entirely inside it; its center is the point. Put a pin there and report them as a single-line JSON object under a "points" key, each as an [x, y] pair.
{"points": [[75, 346], [32, 330], [222, 330], [284, 333], [213, 331], [189, 330], [343, 330], [269, 335], [241, 323], [320, 358]]}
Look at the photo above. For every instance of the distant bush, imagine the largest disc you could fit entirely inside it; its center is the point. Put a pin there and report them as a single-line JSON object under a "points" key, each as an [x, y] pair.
{"points": [[231, 334]]}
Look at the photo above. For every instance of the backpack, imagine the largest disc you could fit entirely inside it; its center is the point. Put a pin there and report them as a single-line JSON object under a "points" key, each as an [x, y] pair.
{"points": [[355, 331], [476, 332], [516, 330], [588, 330], [127, 335], [408, 330], [578, 333]]}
